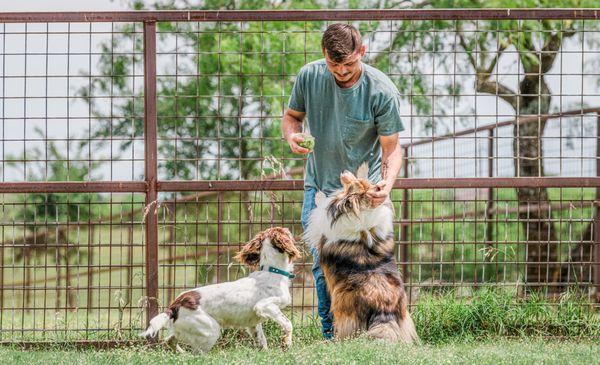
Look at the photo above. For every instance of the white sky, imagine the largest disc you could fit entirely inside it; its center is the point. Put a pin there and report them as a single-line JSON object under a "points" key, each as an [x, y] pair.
{"points": [[62, 5]]}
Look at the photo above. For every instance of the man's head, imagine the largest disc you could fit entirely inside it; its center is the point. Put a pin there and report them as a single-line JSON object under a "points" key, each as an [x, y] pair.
{"points": [[343, 49]]}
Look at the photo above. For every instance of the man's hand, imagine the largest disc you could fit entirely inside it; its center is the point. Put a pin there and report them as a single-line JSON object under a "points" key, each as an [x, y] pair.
{"points": [[380, 193], [293, 140]]}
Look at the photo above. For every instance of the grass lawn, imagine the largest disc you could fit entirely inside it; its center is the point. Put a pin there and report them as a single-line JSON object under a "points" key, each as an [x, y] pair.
{"points": [[491, 327], [360, 351]]}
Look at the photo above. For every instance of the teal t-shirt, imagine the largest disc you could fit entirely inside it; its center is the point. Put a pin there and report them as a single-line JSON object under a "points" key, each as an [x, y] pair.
{"points": [[346, 123]]}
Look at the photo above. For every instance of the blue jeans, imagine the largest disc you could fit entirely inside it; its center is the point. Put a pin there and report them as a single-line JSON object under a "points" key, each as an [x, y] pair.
{"points": [[324, 300]]}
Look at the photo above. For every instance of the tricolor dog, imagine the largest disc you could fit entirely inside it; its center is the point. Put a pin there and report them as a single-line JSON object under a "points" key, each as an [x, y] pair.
{"points": [[356, 252]]}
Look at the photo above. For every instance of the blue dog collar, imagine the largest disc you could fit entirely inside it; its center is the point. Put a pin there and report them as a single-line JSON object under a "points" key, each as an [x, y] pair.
{"points": [[278, 271]]}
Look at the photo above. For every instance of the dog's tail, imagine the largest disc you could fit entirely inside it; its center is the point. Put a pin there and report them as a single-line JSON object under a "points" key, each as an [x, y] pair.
{"points": [[156, 324], [189, 300], [408, 331], [389, 327]]}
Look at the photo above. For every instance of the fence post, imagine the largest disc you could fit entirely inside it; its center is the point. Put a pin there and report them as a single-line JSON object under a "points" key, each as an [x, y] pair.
{"points": [[404, 224], [171, 251], [150, 151], [596, 227], [219, 233], [490, 194]]}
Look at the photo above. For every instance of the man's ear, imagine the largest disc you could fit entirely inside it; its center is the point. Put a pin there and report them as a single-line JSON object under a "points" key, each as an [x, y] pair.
{"points": [[363, 50]]}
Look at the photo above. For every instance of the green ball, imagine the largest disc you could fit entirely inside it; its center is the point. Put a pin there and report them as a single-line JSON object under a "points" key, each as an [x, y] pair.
{"points": [[308, 143]]}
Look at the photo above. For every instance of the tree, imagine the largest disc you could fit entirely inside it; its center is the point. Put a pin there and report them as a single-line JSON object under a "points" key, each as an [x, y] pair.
{"points": [[41, 209], [219, 104], [483, 43], [223, 81]]}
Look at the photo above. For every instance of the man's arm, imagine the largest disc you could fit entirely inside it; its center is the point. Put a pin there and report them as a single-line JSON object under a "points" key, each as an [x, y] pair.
{"points": [[291, 127], [391, 163]]}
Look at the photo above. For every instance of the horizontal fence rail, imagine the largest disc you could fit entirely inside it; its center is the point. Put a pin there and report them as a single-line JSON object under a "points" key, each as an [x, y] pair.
{"points": [[141, 150], [299, 15]]}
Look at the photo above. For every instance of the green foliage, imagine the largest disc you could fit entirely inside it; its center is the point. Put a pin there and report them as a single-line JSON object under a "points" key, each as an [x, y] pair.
{"points": [[494, 312], [52, 165], [491, 246], [424, 51], [223, 97]]}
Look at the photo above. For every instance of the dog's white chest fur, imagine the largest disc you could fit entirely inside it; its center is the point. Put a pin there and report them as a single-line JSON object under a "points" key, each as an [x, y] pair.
{"points": [[348, 227]]}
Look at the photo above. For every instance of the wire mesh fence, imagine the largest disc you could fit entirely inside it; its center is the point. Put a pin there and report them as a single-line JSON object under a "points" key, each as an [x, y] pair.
{"points": [[141, 150]]}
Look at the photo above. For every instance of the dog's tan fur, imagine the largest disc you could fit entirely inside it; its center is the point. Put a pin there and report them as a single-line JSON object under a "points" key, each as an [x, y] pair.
{"points": [[366, 290]]}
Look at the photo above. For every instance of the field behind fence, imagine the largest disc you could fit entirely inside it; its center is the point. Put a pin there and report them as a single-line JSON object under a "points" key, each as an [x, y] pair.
{"points": [[141, 150]]}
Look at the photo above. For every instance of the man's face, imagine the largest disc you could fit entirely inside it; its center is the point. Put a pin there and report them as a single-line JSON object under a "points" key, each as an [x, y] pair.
{"points": [[348, 69]]}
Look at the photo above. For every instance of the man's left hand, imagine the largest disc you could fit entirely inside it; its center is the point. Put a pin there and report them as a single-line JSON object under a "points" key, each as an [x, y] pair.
{"points": [[380, 193]]}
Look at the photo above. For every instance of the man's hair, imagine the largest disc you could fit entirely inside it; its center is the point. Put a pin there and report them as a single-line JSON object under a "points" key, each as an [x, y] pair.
{"points": [[340, 41]]}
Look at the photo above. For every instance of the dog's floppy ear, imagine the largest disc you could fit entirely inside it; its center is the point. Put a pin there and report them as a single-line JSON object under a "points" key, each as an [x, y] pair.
{"points": [[282, 238], [347, 178], [250, 253], [363, 171]]}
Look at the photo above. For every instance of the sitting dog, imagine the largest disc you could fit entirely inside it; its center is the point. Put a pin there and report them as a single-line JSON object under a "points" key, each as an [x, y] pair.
{"points": [[197, 316], [356, 247]]}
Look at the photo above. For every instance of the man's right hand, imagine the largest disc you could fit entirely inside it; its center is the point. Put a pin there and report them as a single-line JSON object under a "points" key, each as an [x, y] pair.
{"points": [[293, 140]]}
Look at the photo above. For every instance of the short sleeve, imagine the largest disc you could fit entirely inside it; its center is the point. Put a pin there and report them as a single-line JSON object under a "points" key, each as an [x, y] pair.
{"points": [[387, 116], [297, 101]]}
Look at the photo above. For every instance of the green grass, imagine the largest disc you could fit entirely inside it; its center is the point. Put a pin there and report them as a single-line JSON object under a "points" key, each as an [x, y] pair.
{"points": [[490, 327], [440, 318], [491, 313], [359, 351]]}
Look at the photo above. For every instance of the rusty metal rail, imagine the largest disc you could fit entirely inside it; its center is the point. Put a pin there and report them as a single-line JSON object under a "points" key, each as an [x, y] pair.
{"points": [[299, 15]]}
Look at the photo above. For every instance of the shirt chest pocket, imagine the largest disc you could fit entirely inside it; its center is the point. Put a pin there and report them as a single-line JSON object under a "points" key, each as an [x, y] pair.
{"points": [[354, 129]]}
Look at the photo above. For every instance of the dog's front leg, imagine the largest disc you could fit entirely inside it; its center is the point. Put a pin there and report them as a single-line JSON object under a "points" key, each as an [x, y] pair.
{"points": [[269, 309], [260, 337], [171, 342]]}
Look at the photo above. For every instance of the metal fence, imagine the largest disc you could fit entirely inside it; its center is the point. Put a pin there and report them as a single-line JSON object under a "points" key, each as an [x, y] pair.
{"points": [[140, 150]]}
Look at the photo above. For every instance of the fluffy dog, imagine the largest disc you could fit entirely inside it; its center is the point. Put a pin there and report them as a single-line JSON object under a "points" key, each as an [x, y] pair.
{"points": [[356, 246], [197, 316]]}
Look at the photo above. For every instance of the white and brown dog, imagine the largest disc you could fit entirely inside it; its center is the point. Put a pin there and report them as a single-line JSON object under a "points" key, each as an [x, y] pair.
{"points": [[197, 317]]}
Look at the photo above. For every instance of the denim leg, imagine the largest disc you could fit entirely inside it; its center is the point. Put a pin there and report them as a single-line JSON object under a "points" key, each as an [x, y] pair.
{"points": [[308, 204], [324, 300]]}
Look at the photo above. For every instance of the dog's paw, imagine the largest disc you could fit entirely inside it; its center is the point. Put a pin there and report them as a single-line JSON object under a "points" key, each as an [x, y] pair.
{"points": [[287, 341]]}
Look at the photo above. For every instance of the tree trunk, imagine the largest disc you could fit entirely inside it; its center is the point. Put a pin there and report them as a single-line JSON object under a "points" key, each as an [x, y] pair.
{"points": [[171, 253], [542, 256], [27, 268], [57, 260], [70, 293], [1, 277], [579, 268], [129, 263], [90, 273]]}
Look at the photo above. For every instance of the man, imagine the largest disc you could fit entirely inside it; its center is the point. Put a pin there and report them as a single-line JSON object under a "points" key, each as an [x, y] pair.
{"points": [[353, 112]]}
